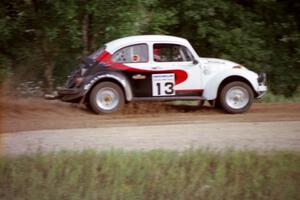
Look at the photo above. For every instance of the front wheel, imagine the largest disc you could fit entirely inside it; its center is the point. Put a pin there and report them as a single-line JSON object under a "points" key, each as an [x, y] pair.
{"points": [[236, 97], [106, 97]]}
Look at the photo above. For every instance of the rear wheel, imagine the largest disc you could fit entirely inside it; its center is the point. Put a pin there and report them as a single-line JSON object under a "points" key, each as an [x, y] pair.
{"points": [[236, 97], [106, 97]]}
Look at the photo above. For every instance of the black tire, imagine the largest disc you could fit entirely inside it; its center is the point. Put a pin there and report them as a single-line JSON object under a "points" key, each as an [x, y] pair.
{"points": [[236, 97], [106, 97]]}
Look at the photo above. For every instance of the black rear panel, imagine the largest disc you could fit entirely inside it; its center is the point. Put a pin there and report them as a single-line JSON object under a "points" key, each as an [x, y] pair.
{"points": [[141, 84]]}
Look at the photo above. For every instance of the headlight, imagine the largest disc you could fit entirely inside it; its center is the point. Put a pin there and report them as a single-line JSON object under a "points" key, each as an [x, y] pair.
{"points": [[262, 78]]}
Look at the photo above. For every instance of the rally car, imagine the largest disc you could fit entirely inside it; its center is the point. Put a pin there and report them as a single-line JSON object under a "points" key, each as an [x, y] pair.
{"points": [[159, 67]]}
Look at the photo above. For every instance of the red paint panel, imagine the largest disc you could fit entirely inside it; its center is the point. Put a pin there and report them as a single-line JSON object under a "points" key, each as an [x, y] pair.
{"points": [[106, 58]]}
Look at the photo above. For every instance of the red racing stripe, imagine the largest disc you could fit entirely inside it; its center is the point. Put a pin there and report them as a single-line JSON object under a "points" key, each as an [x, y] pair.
{"points": [[106, 58]]}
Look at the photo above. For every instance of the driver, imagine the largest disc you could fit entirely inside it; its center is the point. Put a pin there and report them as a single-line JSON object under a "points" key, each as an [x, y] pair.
{"points": [[156, 54]]}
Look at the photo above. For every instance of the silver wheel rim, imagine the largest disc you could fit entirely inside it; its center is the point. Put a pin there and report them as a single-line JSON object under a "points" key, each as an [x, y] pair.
{"points": [[237, 97], [107, 98]]}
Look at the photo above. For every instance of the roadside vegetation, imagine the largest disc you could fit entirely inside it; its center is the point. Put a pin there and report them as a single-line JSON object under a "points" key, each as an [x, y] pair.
{"points": [[279, 98], [41, 41], [192, 174]]}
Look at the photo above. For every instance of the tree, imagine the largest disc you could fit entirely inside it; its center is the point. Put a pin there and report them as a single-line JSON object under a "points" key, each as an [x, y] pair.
{"points": [[262, 35], [41, 40]]}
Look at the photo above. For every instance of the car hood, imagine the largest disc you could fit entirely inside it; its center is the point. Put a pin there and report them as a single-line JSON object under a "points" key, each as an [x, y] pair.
{"points": [[220, 63]]}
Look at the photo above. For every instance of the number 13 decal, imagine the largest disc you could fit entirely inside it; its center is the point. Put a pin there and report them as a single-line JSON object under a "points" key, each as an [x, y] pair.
{"points": [[168, 88], [163, 84]]}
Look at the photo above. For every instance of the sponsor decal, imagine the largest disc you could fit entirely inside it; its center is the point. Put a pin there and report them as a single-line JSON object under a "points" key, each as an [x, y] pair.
{"points": [[135, 58], [138, 77], [163, 84]]}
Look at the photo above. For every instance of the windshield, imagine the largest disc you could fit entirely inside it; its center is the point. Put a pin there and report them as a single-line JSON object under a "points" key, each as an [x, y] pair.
{"points": [[97, 53]]}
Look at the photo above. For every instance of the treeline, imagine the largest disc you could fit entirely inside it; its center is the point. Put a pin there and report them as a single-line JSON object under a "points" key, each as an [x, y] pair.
{"points": [[40, 40]]}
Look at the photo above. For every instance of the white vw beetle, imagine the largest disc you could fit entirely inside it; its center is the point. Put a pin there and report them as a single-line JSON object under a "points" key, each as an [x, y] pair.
{"points": [[159, 67]]}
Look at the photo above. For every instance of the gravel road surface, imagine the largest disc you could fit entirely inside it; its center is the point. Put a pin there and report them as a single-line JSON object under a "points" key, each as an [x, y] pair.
{"points": [[258, 135], [32, 125]]}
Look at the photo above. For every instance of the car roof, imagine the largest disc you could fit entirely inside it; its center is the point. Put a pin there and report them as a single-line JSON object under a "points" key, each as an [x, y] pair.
{"points": [[131, 40]]}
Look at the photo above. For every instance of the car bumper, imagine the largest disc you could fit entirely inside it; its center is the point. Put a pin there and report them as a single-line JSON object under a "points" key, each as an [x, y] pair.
{"points": [[261, 91], [261, 88], [70, 94]]}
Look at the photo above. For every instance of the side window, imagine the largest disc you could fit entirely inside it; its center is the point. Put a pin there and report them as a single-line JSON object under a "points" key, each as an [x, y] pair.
{"points": [[171, 53], [131, 54]]}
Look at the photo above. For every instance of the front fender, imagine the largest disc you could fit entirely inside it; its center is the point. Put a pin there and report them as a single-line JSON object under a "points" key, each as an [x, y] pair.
{"points": [[118, 77], [213, 83]]}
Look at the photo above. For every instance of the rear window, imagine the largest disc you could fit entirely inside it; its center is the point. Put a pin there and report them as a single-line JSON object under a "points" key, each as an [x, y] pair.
{"points": [[131, 54]]}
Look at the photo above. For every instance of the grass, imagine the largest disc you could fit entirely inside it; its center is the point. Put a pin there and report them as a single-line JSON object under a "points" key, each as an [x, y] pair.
{"points": [[193, 174], [270, 97]]}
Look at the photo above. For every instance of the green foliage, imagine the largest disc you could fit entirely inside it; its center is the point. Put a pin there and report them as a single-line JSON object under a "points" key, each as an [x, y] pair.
{"points": [[43, 39], [262, 35], [193, 174], [270, 97], [5, 70]]}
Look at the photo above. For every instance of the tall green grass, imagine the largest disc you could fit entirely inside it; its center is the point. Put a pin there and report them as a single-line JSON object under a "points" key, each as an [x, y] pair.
{"points": [[270, 97], [193, 174]]}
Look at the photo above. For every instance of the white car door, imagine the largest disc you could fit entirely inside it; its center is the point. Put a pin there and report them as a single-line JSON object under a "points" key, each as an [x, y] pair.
{"points": [[174, 71]]}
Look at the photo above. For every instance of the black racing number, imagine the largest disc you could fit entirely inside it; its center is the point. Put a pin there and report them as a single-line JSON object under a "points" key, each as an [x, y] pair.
{"points": [[158, 88], [169, 86]]}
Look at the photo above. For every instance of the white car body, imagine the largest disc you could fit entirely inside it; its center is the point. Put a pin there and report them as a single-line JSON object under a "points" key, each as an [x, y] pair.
{"points": [[206, 75], [160, 67]]}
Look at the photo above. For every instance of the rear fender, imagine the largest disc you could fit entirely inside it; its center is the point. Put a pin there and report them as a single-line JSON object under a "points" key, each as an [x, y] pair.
{"points": [[115, 77]]}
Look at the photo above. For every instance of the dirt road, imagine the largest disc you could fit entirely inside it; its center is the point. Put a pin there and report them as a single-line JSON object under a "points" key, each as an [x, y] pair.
{"points": [[31, 124]]}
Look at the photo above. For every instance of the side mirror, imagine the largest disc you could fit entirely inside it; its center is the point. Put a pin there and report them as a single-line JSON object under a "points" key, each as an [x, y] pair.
{"points": [[195, 62]]}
